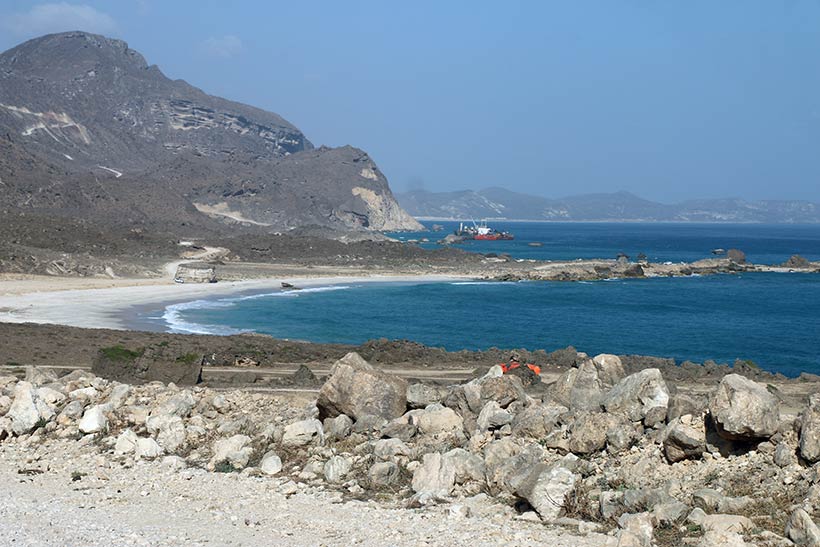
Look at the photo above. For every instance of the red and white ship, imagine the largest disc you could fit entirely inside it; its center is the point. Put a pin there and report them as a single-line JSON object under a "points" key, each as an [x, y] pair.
{"points": [[481, 232]]}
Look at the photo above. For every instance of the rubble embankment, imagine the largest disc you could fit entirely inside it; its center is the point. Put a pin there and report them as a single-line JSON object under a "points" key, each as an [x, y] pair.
{"points": [[621, 459]]}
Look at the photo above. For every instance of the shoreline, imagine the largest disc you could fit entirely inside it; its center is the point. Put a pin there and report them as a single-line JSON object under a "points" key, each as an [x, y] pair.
{"points": [[118, 303], [114, 307]]}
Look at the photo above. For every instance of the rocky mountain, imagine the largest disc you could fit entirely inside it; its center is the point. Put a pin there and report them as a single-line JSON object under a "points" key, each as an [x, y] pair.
{"points": [[501, 203], [88, 129]]}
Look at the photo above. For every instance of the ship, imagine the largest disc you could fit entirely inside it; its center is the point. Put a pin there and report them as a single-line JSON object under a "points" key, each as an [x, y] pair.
{"points": [[481, 232]]}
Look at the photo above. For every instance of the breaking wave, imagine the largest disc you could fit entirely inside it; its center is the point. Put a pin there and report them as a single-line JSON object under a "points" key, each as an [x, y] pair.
{"points": [[174, 314]]}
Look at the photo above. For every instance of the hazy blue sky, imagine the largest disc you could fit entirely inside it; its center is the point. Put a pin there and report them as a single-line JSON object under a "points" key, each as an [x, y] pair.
{"points": [[669, 100]]}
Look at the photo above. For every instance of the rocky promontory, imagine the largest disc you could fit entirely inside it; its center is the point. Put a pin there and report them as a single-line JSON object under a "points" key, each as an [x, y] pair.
{"points": [[89, 129]]}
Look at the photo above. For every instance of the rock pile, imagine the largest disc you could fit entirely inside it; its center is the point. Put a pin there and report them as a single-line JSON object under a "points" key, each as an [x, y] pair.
{"points": [[600, 450]]}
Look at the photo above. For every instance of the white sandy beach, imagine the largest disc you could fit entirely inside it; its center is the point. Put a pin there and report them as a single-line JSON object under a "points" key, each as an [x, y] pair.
{"points": [[100, 303]]}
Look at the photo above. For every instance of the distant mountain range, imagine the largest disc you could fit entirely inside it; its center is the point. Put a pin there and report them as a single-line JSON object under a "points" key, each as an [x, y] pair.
{"points": [[619, 206]]}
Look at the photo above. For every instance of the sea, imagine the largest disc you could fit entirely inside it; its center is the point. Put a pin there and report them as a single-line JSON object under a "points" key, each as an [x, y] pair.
{"points": [[771, 319]]}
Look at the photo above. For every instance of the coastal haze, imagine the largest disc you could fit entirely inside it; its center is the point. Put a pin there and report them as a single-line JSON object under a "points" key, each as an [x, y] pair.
{"points": [[534, 274], [500, 203]]}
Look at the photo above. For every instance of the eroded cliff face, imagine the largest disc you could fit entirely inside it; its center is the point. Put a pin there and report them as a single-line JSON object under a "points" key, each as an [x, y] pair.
{"points": [[97, 131]]}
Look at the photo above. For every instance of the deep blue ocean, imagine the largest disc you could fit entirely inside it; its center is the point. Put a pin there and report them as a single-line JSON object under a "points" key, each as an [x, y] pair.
{"points": [[772, 319], [676, 242]]}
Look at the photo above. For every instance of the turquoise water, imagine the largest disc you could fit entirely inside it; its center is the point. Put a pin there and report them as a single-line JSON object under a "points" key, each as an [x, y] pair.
{"points": [[771, 319]]}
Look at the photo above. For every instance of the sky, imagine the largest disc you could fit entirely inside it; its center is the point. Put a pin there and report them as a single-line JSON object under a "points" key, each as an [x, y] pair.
{"points": [[668, 100]]}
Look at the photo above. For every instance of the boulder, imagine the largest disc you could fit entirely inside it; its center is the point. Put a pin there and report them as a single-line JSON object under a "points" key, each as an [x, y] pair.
{"points": [[669, 513], [468, 466], [507, 465], [83, 395], [638, 396], [337, 468], [180, 405], [399, 429], [707, 499], [622, 434], [797, 261], [118, 396], [537, 421], [684, 437], [464, 399], [636, 530], [492, 416], [338, 428], [736, 255], [70, 412], [633, 270], [390, 449], [94, 420], [547, 486], [724, 523], [234, 451], [383, 474], [527, 376], [271, 463], [610, 369], [148, 449], [439, 473], [39, 376], [5, 404], [810, 430], [50, 396], [169, 431], [579, 388], [369, 424], [422, 395], [437, 419], [636, 500], [126, 442], [744, 410], [303, 433], [684, 403], [435, 477], [588, 433], [722, 539], [802, 530], [23, 412], [356, 388], [610, 504], [784, 455], [503, 390]]}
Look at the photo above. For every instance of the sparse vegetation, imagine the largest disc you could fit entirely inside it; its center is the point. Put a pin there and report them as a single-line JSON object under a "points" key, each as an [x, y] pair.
{"points": [[225, 467], [188, 358], [120, 353]]}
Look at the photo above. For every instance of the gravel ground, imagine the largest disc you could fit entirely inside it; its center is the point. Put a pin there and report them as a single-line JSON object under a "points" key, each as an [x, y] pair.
{"points": [[153, 504]]}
